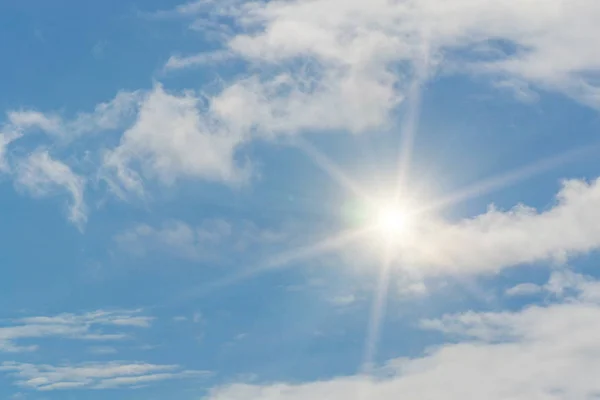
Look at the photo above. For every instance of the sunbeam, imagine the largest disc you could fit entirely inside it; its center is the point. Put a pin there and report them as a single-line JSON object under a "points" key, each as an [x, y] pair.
{"points": [[509, 178], [284, 259], [410, 123], [329, 167], [393, 220]]}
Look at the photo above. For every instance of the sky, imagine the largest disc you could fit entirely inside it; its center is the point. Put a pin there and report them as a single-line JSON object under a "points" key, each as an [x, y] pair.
{"points": [[299, 199]]}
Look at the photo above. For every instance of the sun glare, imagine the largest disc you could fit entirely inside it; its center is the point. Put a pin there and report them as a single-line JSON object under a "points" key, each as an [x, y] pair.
{"points": [[393, 222]]}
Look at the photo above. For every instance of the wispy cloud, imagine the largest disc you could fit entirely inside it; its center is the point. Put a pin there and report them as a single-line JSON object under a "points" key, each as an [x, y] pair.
{"points": [[524, 289], [208, 240], [175, 237], [86, 327], [105, 116], [93, 375], [102, 350], [182, 62], [41, 175]]}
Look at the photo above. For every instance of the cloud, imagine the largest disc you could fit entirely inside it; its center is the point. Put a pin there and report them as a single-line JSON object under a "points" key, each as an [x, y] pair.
{"points": [[543, 42], [209, 240], [93, 375], [498, 239], [87, 327], [520, 90], [5, 140], [343, 300], [523, 289], [175, 237], [328, 65], [550, 352], [29, 119], [105, 116], [102, 350], [172, 138], [182, 62], [41, 175]]}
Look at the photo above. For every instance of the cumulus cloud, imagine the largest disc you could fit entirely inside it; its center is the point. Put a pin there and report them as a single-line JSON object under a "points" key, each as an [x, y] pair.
{"points": [[328, 65], [110, 375], [87, 327], [173, 138], [498, 239], [550, 352], [345, 65], [550, 40], [41, 175]]}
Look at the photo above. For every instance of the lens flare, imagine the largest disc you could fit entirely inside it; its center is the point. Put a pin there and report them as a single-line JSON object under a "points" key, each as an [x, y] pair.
{"points": [[393, 222]]}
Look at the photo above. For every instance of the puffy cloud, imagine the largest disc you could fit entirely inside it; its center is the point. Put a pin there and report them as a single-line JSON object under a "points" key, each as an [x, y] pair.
{"points": [[544, 42], [550, 352], [329, 65], [87, 327], [93, 375], [498, 239], [41, 175], [173, 138]]}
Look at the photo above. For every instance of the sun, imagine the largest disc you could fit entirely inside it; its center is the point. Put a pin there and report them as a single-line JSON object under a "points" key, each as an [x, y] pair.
{"points": [[393, 222]]}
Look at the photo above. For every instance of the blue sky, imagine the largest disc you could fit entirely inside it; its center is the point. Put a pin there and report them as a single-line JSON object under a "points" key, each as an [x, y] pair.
{"points": [[290, 200]]}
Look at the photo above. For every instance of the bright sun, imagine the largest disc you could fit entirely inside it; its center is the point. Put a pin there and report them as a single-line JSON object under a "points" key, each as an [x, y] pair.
{"points": [[393, 222]]}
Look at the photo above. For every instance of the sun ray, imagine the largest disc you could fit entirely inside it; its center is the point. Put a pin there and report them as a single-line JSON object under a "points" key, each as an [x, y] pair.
{"points": [[409, 128], [376, 317], [408, 133], [329, 167], [509, 178], [284, 259], [410, 123]]}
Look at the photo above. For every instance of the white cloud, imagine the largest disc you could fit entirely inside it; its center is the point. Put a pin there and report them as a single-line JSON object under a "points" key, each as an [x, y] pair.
{"points": [[102, 350], [343, 300], [328, 65], [106, 116], [41, 175], [524, 289], [182, 62], [550, 352], [29, 119], [93, 375], [553, 38], [208, 240], [87, 327], [520, 90], [176, 237], [5, 140], [172, 138], [353, 53], [562, 283], [499, 239]]}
